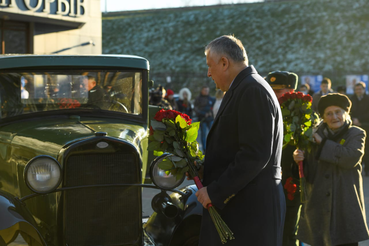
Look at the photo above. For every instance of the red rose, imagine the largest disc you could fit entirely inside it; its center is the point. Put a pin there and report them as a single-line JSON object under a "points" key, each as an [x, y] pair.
{"points": [[287, 96], [300, 95], [159, 115], [187, 118], [291, 188], [290, 196], [280, 100], [172, 115], [307, 98], [151, 131], [293, 96]]}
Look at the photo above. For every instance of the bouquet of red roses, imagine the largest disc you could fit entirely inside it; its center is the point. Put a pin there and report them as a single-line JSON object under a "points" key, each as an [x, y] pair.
{"points": [[173, 132], [298, 120]]}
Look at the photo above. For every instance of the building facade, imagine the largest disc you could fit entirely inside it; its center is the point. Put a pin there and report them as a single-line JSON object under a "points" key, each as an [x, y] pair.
{"points": [[50, 27]]}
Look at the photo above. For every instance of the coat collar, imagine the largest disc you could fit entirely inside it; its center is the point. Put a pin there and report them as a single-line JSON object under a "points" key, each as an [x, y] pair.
{"points": [[228, 95]]}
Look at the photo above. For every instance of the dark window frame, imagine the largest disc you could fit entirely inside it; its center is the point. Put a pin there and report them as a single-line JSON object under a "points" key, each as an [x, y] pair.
{"points": [[15, 26]]}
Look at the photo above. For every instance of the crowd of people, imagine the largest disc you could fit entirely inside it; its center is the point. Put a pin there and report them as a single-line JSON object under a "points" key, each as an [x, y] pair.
{"points": [[245, 169]]}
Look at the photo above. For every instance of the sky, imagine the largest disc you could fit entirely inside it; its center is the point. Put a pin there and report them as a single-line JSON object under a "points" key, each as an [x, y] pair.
{"points": [[122, 5]]}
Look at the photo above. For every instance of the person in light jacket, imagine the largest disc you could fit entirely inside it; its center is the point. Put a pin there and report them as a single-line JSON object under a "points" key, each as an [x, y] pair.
{"points": [[334, 213]]}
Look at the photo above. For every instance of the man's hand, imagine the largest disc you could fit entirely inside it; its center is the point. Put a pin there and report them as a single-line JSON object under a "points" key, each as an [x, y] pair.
{"points": [[203, 197], [298, 155]]}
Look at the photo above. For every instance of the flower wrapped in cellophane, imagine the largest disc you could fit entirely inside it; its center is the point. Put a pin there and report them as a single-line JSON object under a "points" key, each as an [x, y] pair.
{"points": [[299, 120], [173, 132]]}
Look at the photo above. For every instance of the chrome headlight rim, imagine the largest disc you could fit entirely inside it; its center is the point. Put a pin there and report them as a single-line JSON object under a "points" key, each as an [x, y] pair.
{"points": [[153, 168], [29, 164]]}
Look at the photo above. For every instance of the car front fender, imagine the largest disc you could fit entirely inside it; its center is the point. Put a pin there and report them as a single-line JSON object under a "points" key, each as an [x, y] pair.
{"points": [[13, 221]]}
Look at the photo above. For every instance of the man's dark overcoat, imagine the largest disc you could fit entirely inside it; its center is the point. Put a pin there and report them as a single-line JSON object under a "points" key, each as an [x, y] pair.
{"points": [[242, 165]]}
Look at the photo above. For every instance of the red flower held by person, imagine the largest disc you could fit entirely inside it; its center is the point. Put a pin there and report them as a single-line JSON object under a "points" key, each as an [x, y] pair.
{"points": [[299, 120], [171, 114], [291, 188], [293, 96], [171, 132]]}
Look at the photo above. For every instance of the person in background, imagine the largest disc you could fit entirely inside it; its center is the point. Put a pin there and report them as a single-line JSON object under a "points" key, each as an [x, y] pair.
{"points": [[219, 94], [334, 213], [305, 88], [203, 109], [325, 88], [183, 104], [95, 92], [170, 98], [24, 92], [157, 98], [281, 83], [341, 89], [241, 172], [360, 116]]}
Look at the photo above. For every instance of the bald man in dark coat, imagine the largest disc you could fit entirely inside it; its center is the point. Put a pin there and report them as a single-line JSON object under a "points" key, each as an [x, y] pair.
{"points": [[242, 173]]}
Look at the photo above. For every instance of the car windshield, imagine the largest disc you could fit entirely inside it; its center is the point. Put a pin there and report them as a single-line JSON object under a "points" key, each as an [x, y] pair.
{"points": [[36, 91]]}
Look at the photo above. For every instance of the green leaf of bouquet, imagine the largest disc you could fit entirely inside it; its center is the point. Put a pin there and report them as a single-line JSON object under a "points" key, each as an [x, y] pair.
{"points": [[172, 133], [292, 105], [169, 140], [193, 152], [293, 128], [155, 145], [159, 136], [158, 153], [181, 164], [180, 174], [164, 146], [307, 123], [287, 138], [307, 116], [182, 122], [285, 112], [175, 158], [170, 124], [166, 164], [180, 153], [191, 134], [196, 125], [309, 132], [295, 119], [156, 125], [176, 145]]}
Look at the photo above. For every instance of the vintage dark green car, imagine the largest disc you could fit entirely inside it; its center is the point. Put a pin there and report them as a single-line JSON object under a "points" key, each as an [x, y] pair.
{"points": [[73, 156]]}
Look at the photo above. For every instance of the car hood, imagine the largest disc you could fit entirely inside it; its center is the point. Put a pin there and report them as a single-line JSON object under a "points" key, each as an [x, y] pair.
{"points": [[49, 135]]}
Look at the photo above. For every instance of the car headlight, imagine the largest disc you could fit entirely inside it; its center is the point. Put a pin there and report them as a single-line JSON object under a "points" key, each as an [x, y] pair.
{"points": [[160, 178], [43, 174]]}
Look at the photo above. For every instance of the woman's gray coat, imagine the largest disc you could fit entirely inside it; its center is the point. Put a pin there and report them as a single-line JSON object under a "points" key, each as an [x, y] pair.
{"points": [[335, 211]]}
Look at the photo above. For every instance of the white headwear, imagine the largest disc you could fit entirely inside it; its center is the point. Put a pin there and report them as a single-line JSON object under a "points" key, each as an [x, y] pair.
{"points": [[189, 94]]}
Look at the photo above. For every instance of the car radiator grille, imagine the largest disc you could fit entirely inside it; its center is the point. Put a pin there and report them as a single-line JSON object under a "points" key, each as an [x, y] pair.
{"points": [[103, 215]]}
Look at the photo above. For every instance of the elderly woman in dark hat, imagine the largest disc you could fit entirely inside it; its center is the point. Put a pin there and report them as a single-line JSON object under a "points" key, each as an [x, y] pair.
{"points": [[335, 211]]}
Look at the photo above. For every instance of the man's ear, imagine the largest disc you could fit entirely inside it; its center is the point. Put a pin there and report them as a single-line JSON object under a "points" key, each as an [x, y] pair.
{"points": [[225, 62]]}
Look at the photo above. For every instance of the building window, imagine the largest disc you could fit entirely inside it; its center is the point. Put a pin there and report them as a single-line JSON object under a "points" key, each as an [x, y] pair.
{"points": [[14, 37]]}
